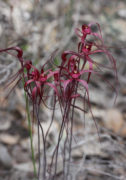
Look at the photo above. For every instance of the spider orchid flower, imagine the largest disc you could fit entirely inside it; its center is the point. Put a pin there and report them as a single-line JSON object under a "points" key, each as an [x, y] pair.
{"points": [[87, 30], [36, 82]]}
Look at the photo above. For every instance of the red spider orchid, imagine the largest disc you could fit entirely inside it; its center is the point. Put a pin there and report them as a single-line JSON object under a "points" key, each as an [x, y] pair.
{"points": [[84, 53], [30, 76], [87, 52], [36, 82], [20, 73], [85, 47], [63, 85], [69, 80], [37, 85], [80, 58], [71, 83], [87, 30]]}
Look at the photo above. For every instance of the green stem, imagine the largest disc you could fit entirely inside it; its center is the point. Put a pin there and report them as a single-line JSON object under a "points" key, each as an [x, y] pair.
{"points": [[30, 133]]}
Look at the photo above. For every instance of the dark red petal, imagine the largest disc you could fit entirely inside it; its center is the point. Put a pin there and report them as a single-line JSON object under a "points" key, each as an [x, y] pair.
{"points": [[86, 29], [65, 83], [19, 51]]}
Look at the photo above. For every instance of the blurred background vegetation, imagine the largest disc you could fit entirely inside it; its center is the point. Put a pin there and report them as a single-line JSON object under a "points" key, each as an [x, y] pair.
{"points": [[39, 27]]}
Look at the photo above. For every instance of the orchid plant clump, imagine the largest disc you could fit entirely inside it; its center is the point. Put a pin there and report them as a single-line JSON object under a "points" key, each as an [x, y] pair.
{"points": [[68, 82]]}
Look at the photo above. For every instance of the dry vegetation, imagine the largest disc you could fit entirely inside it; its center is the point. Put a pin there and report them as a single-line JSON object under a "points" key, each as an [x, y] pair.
{"points": [[39, 28]]}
